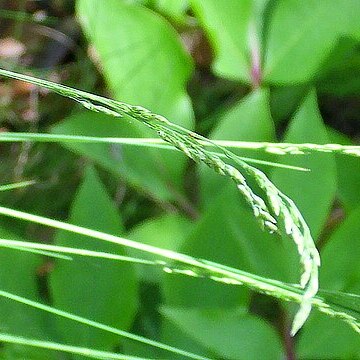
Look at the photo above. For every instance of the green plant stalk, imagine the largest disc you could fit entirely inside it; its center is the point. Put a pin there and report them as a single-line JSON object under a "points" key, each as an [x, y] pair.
{"points": [[52, 250], [277, 213], [98, 325], [76, 350], [273, 148], [17, 185], [142, 142], [190, 266]]}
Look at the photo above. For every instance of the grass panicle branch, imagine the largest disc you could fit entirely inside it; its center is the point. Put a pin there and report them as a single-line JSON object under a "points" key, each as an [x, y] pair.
{"points": [[274, 211]]}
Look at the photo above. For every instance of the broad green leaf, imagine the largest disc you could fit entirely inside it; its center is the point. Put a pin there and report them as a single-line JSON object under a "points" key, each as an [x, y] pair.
{"points": [[334, 340], [301, 35], [313, 191], [227, 26], [262, 253], [141, 57], [152, 180], [166, 232], [248, 120], [174, 8], [230, 334], [339, 74], [212, 238], [98, 289], [143, 62], [340, 256], [18, 273], [171, 334], [348, 173], [285, 100]]}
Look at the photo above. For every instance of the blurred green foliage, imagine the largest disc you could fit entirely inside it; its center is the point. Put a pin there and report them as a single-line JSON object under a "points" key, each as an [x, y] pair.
{"points": [[251, 70]]}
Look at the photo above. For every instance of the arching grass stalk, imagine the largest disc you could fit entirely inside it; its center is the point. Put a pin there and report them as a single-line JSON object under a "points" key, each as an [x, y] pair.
{"points": [[274, 211], [336, 304]]}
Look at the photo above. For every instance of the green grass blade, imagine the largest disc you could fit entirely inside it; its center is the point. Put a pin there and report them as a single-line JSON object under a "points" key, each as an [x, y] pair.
{"points": [[290, 148], [75, 350], [189, 266], [97, 325], [149, 142], [55, 251], [37, 251], [17, 185]]}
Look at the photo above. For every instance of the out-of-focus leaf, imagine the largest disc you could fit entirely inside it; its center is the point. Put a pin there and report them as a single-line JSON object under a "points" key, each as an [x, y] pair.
{"points": [[339, 74], [98, 289], [174, 8], [141, 57], [144, 63], [228, 30], [18, 274], [230, 334], [166, 232], [249, 120], [285, 100], [340, 256], [348, 171], [171, 334], [301, 35], [212, 238], [346, 300], [334, 339], [153, 180], [314, 191]]}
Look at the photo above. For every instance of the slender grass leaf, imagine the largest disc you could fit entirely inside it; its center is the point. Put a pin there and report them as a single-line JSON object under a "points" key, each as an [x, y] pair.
{"points": [[52, 249], [269, 147], [90, 353], [94, 324], [190, 266], [109, 163], [17, 185]]}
